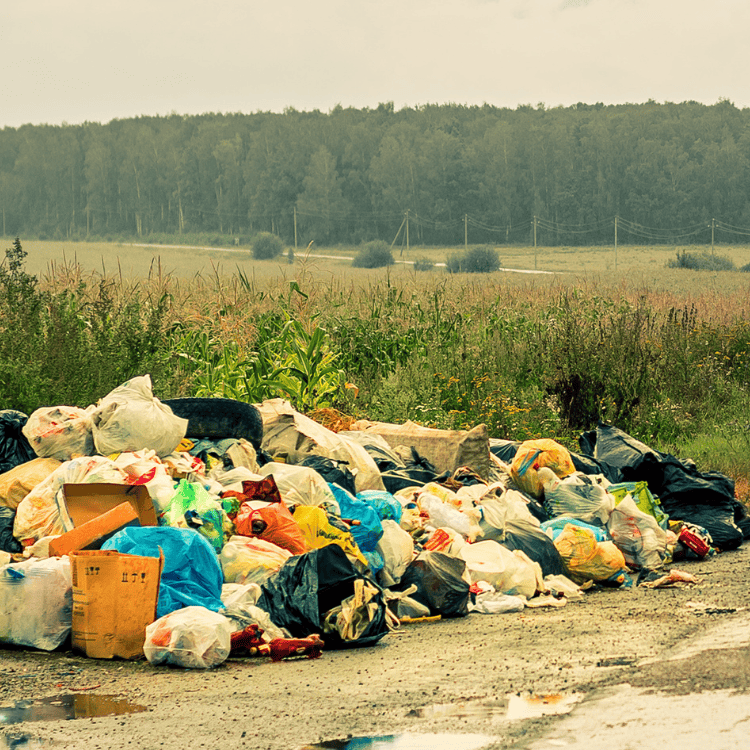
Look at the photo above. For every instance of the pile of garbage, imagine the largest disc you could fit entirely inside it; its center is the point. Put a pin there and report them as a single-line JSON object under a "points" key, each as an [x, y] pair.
{"points": [[190, 529]]}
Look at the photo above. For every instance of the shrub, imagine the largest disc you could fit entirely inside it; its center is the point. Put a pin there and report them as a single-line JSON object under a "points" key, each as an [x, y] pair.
{"points": [[267, 246], [702, 262], [479, 259], [423, 264], [375, 254]]}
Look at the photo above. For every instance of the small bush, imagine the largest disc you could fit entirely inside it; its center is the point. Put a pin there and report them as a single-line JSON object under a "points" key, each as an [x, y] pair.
{"points": [[745, 268], [479, 259], [267, 246], [423, 264], [375, 254], [702, 262]]}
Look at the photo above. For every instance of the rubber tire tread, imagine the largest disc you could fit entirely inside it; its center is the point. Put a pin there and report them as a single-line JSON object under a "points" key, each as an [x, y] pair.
{"points": [[219, 418]]}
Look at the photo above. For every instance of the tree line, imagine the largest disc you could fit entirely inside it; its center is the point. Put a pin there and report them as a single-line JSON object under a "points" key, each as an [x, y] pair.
{"points": [[353, 175]]}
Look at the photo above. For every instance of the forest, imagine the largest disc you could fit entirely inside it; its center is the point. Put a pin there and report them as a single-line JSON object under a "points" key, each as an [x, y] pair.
{"points": [[653, 172]]}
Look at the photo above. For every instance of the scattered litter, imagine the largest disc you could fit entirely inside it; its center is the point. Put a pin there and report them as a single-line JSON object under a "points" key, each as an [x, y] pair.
{"points": [[671, 579]]}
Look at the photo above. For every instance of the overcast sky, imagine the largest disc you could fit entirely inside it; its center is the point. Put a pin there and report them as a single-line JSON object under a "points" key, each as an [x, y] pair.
{"points": [[96, 60]]}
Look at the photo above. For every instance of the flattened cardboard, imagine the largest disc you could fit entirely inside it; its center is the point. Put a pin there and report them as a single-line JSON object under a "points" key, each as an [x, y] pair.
{"points": [[93, 534], [114, 600], [86, 502]]}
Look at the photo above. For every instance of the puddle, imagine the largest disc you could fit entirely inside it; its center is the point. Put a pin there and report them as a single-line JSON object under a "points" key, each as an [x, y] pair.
{"points": [[61, 707], [511, 708], [406, 742], [20, 742]]}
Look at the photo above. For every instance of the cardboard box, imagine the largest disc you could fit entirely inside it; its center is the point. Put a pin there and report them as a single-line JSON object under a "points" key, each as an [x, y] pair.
{"points": [[97, 511], [88, 501], [114, 600]]}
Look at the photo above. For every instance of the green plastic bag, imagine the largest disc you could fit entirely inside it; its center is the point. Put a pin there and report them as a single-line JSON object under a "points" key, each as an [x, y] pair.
{"points": [[645, 501], [192, 507]]}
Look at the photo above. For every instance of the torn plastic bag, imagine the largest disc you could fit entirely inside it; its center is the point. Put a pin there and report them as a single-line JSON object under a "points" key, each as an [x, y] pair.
{"points": [[492, 602], [191, 575], [370, 528], [14, 447], [247, 560], [299, 596], [587, 502], [61, 432], [529, 538], [192, 507], [130, 418], [333, 471], [637, 535], [444, 514], [193, 637], [686, 494], [397, 549], [445, 539], [506, 571], [585, 558], [442, 582], [36, 603], [534, 454], [384, 504], [320, 529]]}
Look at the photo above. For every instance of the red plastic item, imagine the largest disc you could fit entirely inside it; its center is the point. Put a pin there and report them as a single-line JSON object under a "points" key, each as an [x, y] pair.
{"points": [[692, 541], [281, 648]]}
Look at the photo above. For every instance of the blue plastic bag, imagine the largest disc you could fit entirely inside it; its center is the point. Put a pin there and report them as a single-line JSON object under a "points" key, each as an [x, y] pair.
{"points": [[384, 503], [369, 530], [558, 524], [192, 574]]}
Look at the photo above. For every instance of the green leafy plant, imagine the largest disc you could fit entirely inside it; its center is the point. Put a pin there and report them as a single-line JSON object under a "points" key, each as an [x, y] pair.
{"points": [[375, 254], [479, 259], [267, 246]]}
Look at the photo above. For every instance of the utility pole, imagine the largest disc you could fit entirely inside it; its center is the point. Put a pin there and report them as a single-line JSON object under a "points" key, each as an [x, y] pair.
{"points": [[407, 231], [466, 231], [616, 242], [295, 227], [535, 243], [713, 223]]}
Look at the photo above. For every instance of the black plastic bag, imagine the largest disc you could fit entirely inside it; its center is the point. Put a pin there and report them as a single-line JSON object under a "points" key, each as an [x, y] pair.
{"points": [[505, 450], [530, 539], [686, 494], [334, 472], [298, 596], [8, 543], [440, 583], [14, 447]]}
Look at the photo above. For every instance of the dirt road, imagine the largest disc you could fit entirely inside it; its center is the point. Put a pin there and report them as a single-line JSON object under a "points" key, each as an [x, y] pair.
{"points": [[404, 684]]}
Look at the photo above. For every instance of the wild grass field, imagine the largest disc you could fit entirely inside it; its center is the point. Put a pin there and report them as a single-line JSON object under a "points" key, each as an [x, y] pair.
{"points": [[663, 353]]}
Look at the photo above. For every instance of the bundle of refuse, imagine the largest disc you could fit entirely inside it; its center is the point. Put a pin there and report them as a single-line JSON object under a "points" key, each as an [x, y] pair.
{"points": [[190, 529]]}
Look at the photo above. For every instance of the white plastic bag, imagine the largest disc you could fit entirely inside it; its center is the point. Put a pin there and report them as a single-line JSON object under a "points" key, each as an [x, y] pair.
{"points": [[250, 560], [193, 637], [36, 603], [300, 485], [571, 498], [506, 571], [61, 432], [637, 535], [397, 548], [43, 513], [444, 514], [130, 419]]}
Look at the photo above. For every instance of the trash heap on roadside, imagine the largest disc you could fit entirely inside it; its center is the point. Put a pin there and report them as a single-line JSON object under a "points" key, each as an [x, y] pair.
{"points": [[192, 529]]}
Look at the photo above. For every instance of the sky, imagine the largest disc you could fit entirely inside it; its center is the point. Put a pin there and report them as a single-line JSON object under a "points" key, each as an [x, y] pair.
{"points": [[75, 61]]}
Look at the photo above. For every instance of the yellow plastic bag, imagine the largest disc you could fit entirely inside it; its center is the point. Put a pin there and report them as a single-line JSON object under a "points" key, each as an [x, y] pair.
{"points": [[532, 456], [585, 558], [319, 532]]}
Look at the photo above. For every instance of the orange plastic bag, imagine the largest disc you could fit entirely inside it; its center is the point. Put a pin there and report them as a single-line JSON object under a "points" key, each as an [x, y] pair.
{"points": [[274, 523], [531, 456]]}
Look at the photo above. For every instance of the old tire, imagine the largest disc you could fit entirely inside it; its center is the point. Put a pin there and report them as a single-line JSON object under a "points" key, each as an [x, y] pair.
{"points": [[219, 418]]}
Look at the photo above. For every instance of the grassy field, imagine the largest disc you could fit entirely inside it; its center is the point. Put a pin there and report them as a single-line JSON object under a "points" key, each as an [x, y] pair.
{"points": [[663, 353]]}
